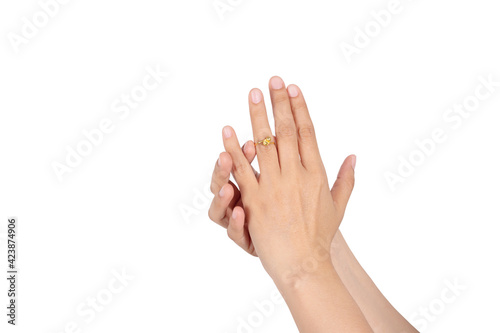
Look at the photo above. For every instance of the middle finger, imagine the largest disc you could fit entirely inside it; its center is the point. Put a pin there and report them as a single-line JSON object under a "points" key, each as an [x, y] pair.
{"points": [[286, 132]]}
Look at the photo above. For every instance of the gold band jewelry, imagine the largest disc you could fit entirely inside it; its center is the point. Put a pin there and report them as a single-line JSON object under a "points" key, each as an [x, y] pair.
{"points": [[267, 141]]}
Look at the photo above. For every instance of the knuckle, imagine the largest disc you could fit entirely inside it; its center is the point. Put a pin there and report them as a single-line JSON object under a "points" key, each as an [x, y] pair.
{"points": [[213, 188], [260, 116], [306, 132], [317, 171], [230, 234], [239, 167], [286, 130], [211, 215], [280, 97], [350, 182]]}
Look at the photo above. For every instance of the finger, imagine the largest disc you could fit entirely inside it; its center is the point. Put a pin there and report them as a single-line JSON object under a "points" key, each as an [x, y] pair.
{"points": [[308, 146], [237, 232], [250, 152], [222, 171], [286, 133], [220, 177], [242, 171], [343, 186], [220, 205], [267, 154]]}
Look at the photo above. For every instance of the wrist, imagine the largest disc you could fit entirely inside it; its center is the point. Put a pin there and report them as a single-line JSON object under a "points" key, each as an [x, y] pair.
{"points": [[309, 263], [342, 258], [302, 275]]}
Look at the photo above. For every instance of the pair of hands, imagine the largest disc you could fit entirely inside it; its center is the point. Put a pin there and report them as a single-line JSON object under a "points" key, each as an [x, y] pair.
{"points": [[285, 214]]}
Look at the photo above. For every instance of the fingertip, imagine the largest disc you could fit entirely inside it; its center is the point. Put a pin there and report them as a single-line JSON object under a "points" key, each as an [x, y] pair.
{"points": [[349, 163], [227, 132], [276, 83], [234, 215], [238, 218], [226, 192], [220, 160], [255, 96], [353, 161], [293, 90], [249, 150], [222, 191], [224, 162], [224, 155], [235, 228]]}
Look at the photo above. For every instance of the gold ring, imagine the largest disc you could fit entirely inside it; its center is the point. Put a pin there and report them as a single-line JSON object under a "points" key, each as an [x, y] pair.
{"points": [[267, 141]]}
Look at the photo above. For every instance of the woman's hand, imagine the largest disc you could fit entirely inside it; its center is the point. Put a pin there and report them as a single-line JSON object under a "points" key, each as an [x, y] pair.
{"points": [[289, 212], [281, 215], [226, 208], [289, 209]]}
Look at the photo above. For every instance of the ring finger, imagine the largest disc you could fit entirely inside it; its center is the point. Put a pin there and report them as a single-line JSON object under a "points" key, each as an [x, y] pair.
{"points": [[267, 154]]}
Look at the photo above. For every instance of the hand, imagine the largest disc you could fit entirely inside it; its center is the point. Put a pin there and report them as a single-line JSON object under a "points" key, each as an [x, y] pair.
{"points": [[289, 208], [224, 206]]}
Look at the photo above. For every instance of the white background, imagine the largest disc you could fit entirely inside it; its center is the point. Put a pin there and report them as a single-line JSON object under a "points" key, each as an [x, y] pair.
{"points": [[124, 206]]}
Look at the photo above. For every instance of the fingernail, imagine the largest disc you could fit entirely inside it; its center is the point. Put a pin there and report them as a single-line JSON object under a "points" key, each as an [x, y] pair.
{"points": [[218, 161], [221, 192], [256, 96], [245, 146], [293, 91], [233, 215], [226, 132], [353, 160], [276, 83]]}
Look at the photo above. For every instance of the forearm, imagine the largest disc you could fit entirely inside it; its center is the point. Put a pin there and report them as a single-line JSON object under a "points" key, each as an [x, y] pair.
{"points": [[379, 313], [320, 303]]}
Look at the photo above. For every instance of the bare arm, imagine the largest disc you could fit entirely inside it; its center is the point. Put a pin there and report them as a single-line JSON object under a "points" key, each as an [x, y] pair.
{"points": [[282, 215], [319, 302], [379, 313]]}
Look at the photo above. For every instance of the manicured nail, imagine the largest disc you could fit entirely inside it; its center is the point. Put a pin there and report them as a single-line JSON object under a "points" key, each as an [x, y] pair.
{"points": [[276, 83], [233, 215], [293, 91], [353, 161], [256, 96], [221, 192], [226, 132]]}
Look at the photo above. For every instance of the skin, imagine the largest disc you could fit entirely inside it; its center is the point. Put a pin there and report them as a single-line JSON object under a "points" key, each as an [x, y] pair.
{"points": [[290, 213], [294, 220]]}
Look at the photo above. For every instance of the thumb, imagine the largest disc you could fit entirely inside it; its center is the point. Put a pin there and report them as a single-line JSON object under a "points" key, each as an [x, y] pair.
{"points": [[343, 186]]}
